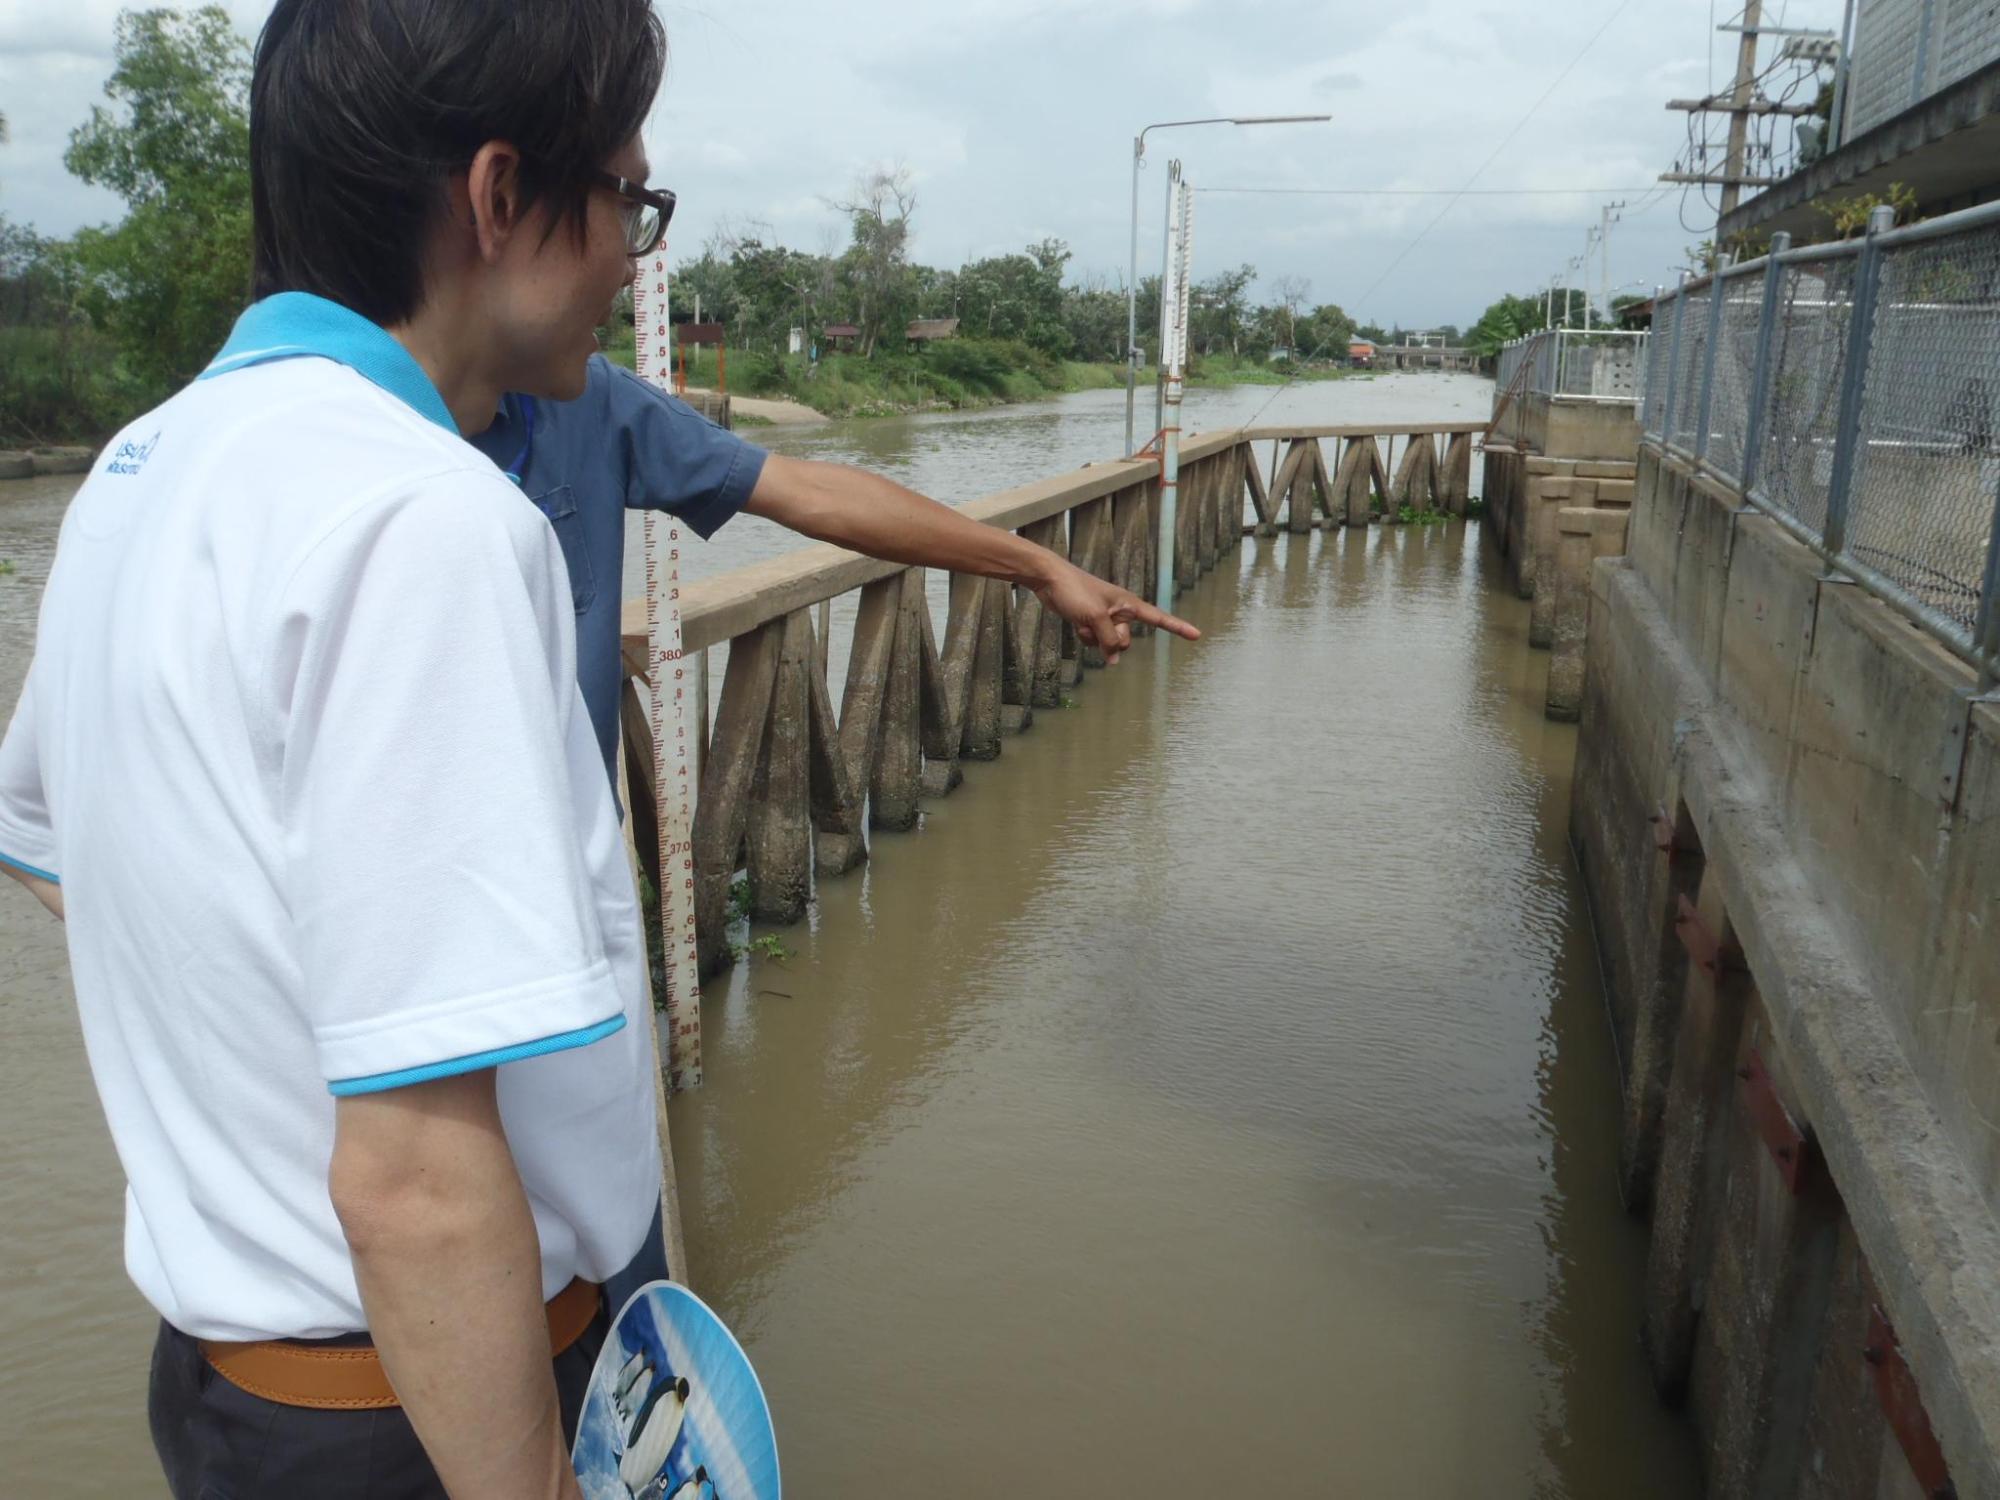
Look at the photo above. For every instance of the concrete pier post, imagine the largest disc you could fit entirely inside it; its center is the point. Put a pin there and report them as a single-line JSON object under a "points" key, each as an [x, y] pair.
{"points": [[1584, 536], [898, 773], [1712, 1009], [779, 837], [838, 845], [1128, 524], [841, 848], [1412, 485], [980, 739], [1351, 484], [1285, 490], [1090, 549], [1207, 499], [1455, 479], [722, 816], [941, 692], [1767, 1284], [1260, 496], [1545, 542], [1017, 660]]}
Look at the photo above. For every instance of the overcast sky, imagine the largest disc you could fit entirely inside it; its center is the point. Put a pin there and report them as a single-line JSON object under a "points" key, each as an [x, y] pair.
{"points": [[1016, 121]]}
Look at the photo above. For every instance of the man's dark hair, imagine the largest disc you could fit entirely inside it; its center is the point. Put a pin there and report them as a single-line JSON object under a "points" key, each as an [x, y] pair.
{"points": [[361, 110]]}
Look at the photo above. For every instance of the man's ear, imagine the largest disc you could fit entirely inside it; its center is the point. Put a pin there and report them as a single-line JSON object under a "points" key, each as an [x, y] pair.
{"points": [[493, 191]]}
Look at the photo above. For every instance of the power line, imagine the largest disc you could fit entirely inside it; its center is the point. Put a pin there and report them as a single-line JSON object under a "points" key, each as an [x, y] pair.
{"points": [[1428, 192], [1505, 141]]}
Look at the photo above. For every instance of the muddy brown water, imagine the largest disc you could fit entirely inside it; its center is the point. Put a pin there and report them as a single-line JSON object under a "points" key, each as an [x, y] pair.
{"points": [[1212, 1093]]}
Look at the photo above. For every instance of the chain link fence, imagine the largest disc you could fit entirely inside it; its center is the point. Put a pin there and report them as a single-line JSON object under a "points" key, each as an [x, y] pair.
{"points": [[1733, 378], [1926, 468], [1808, 366], [1659, 350], [1690, 361], [1854, 394]]}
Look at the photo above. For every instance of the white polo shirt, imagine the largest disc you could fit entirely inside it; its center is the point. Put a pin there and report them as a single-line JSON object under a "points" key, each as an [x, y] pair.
{"points": [[303, 743]]}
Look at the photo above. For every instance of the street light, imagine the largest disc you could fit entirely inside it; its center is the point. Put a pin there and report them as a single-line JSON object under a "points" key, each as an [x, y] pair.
{"points": [[1132, 281]]}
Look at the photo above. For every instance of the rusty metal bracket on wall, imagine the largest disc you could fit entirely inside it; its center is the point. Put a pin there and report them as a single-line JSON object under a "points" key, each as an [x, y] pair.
{"points": [[1791, 1149], [1903, 1406]]}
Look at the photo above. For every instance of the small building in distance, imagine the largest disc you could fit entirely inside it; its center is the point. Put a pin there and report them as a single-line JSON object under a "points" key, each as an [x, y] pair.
{"points": [[1361, 352], [927, 330], [840, 335]]}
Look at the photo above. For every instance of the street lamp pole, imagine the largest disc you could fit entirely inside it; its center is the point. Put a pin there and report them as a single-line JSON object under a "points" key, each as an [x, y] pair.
{"points": [[1132, 275]]}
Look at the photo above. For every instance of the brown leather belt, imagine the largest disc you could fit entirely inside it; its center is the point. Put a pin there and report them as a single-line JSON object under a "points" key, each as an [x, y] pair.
{"points": [[332, 1377]]}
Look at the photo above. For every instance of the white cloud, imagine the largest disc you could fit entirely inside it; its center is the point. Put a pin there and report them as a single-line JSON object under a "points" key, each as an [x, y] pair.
{"points": [[1016, 119]]}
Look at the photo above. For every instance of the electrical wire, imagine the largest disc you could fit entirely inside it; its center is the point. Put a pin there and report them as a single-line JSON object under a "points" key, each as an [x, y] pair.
{"points": [[1422, 192]]}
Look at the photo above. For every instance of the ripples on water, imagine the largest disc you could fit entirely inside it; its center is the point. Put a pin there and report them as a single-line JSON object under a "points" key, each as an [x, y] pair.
{"points": [[1213, 1093]]}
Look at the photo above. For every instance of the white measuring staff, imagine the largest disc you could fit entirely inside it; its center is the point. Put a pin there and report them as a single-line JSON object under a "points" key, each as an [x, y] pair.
{"points": [[672, 685]]}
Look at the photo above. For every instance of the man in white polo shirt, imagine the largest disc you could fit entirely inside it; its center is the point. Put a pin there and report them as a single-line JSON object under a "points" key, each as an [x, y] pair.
{"points": [[301, 761]]}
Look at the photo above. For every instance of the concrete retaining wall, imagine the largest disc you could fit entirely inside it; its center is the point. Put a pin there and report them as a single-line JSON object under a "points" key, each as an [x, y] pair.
{"points": [[1787, 811]]}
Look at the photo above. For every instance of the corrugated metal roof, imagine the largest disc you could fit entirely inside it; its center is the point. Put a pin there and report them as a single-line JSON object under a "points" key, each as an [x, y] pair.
{"points": [[931, 328]]}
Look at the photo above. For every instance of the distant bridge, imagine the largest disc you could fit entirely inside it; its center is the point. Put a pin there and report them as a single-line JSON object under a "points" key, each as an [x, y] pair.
{"points": [[1423, 357]]}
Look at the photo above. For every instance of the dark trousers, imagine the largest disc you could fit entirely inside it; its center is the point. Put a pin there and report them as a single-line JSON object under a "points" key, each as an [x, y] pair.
{"points": [[216, 1441]]}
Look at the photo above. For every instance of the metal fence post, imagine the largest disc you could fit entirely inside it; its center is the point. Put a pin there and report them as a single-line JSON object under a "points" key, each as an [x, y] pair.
{"points": [[1760, 373], [1673, 364], [1847, 429], [1717, 290], [1986, 625]]}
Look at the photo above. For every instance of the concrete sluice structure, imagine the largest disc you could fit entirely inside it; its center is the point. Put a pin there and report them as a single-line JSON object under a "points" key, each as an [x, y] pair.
{"points": [[1786, 809]]}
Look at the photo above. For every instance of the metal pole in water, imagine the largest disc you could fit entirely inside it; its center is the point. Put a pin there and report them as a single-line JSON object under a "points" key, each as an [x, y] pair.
{"points": [[1166, 293], [1132, 297], [1173, 295]]}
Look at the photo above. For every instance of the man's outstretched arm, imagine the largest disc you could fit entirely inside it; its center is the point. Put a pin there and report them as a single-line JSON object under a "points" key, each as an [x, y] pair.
{"points": [[866, 513]]}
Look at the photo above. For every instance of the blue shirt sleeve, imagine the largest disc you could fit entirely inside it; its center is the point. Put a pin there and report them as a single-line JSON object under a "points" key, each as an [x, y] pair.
{"points": [[673, 458]]}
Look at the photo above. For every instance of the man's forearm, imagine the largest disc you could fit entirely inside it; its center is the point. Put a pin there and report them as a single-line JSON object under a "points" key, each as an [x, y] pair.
{"points": [[449, 1268], [867, 513]]}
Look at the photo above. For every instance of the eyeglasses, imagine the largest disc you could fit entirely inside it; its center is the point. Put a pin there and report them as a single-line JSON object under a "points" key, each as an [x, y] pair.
{"points": [[646, 212]]}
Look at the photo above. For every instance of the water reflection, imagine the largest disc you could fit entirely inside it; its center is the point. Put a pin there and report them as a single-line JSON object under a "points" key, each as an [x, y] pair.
{"points": [[1235, 1034]]}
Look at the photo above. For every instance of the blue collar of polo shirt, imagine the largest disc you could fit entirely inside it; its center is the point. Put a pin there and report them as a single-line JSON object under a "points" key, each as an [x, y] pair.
{"points": [[295, 325]]}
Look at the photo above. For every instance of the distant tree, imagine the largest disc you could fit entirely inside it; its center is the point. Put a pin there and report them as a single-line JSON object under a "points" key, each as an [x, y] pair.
{"points": [[169, 280], [1324, 333], [1018, 297], [878, 253], [1291, 293], [1221, 312]]}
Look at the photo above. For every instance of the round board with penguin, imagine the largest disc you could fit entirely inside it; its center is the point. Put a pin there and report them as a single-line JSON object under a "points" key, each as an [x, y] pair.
{"points": [[674, 1410]]}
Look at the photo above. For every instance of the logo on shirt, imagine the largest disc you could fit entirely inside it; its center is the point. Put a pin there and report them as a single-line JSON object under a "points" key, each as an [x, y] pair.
{"points": [[131, 457]]}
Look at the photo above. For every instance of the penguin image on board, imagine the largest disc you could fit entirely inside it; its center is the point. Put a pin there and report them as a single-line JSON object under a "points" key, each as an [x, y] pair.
{"points": [[652, 1432], [643, 1434], [697, 1487], [635, 1378]]}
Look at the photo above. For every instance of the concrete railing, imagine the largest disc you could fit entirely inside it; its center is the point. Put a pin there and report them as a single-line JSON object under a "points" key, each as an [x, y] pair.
{"points": [[787, 791]]}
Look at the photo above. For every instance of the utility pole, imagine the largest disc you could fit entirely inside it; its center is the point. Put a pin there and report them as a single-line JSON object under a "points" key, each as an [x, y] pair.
{"points": [[1741, 104], [1609, 217]]}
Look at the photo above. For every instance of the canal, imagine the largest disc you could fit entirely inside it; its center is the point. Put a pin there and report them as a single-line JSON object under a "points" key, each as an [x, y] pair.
{"points": [[1212, 1092]]}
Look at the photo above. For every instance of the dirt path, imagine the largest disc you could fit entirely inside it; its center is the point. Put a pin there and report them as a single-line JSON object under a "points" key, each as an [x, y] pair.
{"points": [[780, 413]]}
